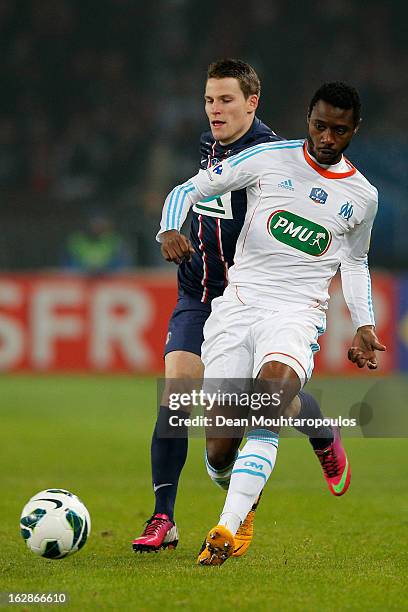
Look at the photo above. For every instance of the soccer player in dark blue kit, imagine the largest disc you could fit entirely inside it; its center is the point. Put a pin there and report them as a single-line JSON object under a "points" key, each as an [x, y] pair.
{"points": [[231, 99]]}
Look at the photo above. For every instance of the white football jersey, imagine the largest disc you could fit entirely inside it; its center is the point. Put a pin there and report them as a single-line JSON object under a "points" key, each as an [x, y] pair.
{"points": [[302, 222]]}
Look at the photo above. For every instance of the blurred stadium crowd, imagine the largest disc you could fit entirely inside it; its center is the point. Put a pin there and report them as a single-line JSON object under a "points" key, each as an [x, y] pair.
{"points": [[101, 107]]}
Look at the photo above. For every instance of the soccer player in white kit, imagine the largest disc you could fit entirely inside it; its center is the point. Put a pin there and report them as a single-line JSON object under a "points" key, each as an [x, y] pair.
{"points": [[310, 211]]}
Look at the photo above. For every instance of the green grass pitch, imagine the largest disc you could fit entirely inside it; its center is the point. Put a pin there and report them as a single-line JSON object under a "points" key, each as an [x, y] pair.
{"points": [[311, 551]]}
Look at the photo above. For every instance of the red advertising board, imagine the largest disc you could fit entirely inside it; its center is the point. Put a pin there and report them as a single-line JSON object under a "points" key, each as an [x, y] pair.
{"points": [[59, 323], [63, 323]]}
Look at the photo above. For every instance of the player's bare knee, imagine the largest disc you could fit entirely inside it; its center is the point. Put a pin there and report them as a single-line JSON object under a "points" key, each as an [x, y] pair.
{"points": [[183, 365], [282, 383], [220, 453], [183, 372], [276, 372]]}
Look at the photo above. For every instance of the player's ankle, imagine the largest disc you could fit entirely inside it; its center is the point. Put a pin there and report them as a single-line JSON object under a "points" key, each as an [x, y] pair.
{"points": [[320, 443]]}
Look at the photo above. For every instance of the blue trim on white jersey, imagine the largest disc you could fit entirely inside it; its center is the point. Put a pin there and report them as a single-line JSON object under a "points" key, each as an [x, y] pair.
{"points": [[315, 348], [175, 207], [183, 191], [279, 143], [270, 146], [370, 298]]}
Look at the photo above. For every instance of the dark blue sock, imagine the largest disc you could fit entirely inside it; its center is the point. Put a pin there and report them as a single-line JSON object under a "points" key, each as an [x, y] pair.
{"points": [[319, 437], [168, 456]]}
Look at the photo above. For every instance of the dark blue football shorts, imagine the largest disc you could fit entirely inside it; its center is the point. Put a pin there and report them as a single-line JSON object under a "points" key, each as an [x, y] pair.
{"points": [[185, 331]]}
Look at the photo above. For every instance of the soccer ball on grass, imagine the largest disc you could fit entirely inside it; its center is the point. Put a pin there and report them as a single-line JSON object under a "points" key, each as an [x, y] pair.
{"points": [[55, 523]]}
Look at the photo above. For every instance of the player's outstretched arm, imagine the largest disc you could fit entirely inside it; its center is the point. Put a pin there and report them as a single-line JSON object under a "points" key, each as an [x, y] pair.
{"points": [[356, 284], [175, 247], [364, 346], [207, 183]]}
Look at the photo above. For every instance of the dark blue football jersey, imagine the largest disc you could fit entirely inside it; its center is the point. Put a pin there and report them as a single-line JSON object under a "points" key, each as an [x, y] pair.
{"points": [[217, 222]]}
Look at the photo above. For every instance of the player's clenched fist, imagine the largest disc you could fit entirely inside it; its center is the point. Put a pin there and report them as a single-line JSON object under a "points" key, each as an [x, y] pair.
{"points": [[175, 247], [365, 343]]}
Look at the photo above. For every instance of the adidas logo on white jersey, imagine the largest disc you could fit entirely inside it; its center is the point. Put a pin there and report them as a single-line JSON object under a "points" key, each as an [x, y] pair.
{"points": [[287, 184]]}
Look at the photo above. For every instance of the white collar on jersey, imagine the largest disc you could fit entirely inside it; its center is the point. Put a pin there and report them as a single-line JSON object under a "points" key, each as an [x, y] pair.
{"points": [[328, 173], [341, 166]]}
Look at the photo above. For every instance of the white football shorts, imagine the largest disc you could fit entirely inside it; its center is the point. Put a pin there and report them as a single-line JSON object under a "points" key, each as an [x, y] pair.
{"points": [[239, 339]]}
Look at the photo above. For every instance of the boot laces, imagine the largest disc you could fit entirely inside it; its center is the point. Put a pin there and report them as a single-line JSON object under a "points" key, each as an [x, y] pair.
{"points": [[328, 460], [153, 525]]}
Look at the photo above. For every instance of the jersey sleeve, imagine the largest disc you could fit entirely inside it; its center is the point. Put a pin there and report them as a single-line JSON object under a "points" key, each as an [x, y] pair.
{"points": [[355, 274], [207, 183]]}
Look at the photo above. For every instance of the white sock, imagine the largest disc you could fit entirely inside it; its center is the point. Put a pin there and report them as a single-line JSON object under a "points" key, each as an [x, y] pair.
{"points": [[220, 477], [251, 470]]}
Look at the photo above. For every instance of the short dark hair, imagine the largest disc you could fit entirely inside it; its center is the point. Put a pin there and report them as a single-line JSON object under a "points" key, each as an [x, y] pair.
{"points": [[237, 69], [340, 95]]}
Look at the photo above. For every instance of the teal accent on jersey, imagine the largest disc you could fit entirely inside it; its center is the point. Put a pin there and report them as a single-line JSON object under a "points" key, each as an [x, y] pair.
{"points": [[237, 159], [182, 204], [178, 207], [315, 348], [279, 144], [175, 207], [258, 457], [370, 299], [209, 209], [235, 163], [211, 198], [250, 472]]}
